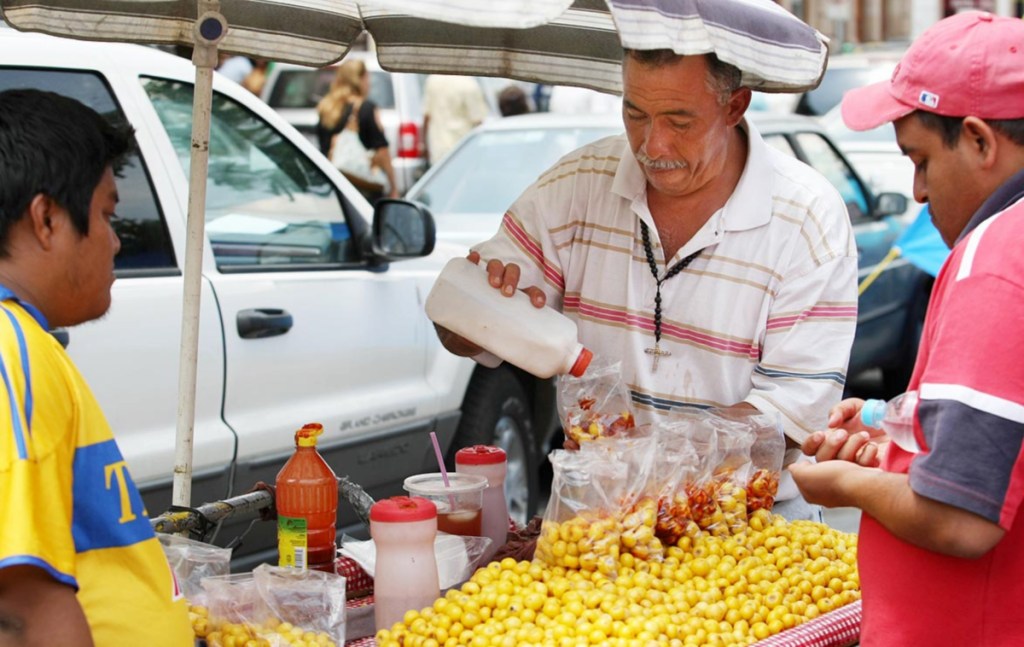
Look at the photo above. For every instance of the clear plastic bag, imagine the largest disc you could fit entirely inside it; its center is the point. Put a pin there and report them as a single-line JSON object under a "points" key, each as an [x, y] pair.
{"points": [[191, 561], [729, 481], [276, 607], [766, 458], [595, 405], [581, 526], [676, 466], [638, 499]]}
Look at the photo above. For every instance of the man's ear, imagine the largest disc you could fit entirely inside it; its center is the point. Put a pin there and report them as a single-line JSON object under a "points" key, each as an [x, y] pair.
{"points": [[980, 140], [42, 218], [737, 105]]}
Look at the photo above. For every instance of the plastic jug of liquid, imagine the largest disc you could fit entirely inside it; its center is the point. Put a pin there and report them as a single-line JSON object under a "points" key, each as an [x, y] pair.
{"points": [[307, 506], [491, 462], [895, 418], [541, 341], [405, 567]]}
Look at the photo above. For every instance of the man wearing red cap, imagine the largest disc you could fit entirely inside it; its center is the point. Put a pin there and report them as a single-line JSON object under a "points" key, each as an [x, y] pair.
{"points": [[941, 545]]}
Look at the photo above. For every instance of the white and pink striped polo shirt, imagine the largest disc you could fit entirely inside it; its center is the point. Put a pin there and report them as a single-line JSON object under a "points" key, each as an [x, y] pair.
{"points": [[765, 314]]}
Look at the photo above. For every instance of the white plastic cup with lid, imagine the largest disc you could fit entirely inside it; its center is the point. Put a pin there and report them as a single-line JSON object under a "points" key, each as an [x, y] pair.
{"points": [[459, 502]]}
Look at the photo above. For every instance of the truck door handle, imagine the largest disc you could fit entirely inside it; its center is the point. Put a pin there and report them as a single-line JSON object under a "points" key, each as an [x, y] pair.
{"points": [[255, 323]]}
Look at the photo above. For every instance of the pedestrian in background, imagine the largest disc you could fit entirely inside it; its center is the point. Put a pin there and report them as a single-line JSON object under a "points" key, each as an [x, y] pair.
{"points": [[350, 133], [452, 106], [79, 562], [941, 545], [233, 66], [512, 101]]}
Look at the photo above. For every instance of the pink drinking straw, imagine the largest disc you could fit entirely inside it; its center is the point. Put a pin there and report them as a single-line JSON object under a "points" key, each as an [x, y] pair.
{"points": [[444, 472]]}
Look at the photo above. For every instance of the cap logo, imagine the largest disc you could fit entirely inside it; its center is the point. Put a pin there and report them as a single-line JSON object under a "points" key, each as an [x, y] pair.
{"points": [[929, 99]]}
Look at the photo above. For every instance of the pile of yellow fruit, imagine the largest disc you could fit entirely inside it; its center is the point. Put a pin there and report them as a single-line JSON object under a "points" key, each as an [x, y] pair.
{"points": [[272, 633], [706, 590]]}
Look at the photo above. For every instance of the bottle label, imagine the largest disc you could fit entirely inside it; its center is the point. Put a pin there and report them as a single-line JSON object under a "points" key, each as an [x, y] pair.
{"points": [[291, 542]]}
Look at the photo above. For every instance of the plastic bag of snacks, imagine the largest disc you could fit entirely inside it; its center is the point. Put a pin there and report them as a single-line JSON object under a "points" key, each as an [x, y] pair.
{"points": [[275, 607], [699, 484], [595, 405], [191, 561], [676, 466], [581, 528], [766, 458], [733, 468], [638, 501]]}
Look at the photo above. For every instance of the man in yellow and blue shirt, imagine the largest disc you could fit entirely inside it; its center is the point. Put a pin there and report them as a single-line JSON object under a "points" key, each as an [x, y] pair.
{"points": [[79, 562]]}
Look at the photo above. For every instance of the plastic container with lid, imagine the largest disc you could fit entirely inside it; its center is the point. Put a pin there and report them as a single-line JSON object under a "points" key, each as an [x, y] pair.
{"points": [[306, 497], [895, 418], [542, 341], [405, 568], [490, 462]]}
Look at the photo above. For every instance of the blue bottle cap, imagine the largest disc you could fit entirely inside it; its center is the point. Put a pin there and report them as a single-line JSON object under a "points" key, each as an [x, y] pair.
{"points": [[872, 413]]}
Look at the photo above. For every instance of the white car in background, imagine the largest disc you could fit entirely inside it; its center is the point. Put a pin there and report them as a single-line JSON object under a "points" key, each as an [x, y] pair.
{"points": [[312, 303]]}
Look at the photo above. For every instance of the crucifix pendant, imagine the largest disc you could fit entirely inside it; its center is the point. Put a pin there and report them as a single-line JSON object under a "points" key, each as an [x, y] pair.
{"points": [[657, 353]]}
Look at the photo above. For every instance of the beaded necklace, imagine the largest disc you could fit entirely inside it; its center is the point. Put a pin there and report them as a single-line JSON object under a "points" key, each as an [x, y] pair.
{"points": [[657, 352]]}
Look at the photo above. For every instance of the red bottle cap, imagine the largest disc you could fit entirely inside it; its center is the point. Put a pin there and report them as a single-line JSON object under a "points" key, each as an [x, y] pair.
{"points": [[582, 362], [480, 455], [403, 508]]}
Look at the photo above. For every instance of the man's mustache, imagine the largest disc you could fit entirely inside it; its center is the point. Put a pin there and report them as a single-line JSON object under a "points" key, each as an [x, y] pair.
{"points": [[659, 165]]}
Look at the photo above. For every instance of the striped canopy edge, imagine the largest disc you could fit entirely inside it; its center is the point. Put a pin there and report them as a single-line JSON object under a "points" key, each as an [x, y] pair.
{"points": [[307, 32]]}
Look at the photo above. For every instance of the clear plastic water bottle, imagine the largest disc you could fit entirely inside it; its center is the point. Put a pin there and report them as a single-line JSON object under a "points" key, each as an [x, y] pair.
{"points": [[895, 418]]}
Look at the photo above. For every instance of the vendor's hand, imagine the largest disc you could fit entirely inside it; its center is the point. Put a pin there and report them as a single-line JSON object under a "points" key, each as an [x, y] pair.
{"points": [[825, 483], [506, 278], [839, 444], [456, 344]]}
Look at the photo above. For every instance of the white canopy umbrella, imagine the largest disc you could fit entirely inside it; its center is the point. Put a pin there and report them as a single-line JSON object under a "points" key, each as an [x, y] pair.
{"points": [[573, 42]]}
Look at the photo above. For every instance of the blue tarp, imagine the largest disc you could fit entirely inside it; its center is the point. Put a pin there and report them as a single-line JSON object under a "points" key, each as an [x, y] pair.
{"points": [[921, 244]]}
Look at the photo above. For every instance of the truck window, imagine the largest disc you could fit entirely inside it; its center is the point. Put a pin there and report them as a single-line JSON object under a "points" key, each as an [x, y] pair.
{"points": [[267, 205], [145, 242]]}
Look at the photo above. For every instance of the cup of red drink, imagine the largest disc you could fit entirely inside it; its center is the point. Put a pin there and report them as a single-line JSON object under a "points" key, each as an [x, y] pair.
{"points": [[459, 503]]}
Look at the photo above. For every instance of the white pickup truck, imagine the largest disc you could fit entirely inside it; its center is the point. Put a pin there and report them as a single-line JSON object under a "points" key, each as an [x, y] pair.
{"points": [[303, 318]]}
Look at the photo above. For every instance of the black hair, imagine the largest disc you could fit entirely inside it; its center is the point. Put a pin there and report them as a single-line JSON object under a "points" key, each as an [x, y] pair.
{"points": [[723, 78], [55, 146], [512, 101], [948, 128]]}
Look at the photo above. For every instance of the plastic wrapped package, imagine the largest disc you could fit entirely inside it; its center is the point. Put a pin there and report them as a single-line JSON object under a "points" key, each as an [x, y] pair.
{"points": [[638, 498], [676, 466], [457, 556], [191, 561], [595, 405], [581, 525], [275, 607]]}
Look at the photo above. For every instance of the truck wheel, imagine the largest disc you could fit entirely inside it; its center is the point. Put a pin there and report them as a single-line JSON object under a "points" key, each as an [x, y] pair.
{"points": [[496, 411]]}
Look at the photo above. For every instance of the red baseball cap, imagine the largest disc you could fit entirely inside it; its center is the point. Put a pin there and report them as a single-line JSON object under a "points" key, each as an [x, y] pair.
{"points": [[970, 64]]}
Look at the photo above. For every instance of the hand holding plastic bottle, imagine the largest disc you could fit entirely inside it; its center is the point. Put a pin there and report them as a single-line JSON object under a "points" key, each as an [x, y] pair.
{"points": [[501, 277], [846, 438]]}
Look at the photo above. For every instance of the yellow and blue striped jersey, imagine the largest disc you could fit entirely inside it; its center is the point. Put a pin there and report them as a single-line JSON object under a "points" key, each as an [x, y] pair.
{"points": [[67, 502]]}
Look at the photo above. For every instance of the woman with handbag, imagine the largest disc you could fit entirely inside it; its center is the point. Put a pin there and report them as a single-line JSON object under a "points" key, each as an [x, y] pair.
{"points": [[351, 135]]}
